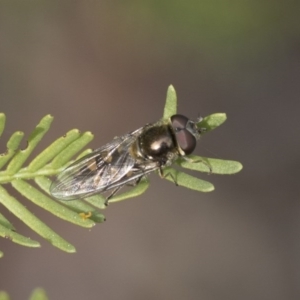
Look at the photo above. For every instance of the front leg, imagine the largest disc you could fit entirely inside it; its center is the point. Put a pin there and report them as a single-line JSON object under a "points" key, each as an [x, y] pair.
{"points": [[162, 175], [188, 159]]}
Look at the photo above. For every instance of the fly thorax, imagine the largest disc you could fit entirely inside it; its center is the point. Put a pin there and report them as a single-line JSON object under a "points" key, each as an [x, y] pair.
{"points": [[157, 143]]}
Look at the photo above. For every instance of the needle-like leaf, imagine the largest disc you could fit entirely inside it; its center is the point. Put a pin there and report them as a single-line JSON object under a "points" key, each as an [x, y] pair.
{"points": [[212, 121], [188, 181], [35, 137], [53, 150], [4, 295], [134, 192], [210, 165], [77, 206], [12, 146], [2, 122], [17, 238], [42, 200], [33, 222], [38, 294], [68, 152], [6, 223], [171, 103]]}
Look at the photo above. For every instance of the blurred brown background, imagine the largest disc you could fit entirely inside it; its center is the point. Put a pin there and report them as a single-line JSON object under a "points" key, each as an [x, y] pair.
{"points": [[105, 66]]}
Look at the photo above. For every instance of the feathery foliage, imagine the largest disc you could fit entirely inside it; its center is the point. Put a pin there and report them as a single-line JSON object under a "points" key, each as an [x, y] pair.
{"points": [[33, 182]]}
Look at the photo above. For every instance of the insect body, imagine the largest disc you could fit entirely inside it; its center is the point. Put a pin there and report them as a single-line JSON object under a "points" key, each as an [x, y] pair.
{"points": [[127, 159]]}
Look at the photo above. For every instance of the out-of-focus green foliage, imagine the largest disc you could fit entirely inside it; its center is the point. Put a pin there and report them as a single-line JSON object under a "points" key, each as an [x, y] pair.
{"points": [[223, 29], [37, 294]]}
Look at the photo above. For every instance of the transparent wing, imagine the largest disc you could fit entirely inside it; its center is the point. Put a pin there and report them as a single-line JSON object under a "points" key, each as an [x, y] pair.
{"points": [[98, 171]]}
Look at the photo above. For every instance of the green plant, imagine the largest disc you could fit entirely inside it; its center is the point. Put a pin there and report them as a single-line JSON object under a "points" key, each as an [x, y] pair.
{"points": [[37, 294], [57, 156]]}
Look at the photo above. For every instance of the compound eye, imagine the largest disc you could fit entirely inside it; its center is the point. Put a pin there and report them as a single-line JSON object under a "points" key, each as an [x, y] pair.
{"points": [[186, 141], [179, 122]]}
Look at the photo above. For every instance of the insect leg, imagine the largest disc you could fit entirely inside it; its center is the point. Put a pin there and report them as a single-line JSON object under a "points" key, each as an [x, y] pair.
{"points": [[188, 159], [162, 175], [135, 182], [111, 195]]}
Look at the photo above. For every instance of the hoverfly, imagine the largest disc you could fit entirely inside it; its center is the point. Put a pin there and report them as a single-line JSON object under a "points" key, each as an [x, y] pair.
{"points": [[127, 159]]}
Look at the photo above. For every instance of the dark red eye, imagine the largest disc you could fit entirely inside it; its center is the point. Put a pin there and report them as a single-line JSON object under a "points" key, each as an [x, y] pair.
{"points": [[179, 122], [185, 139]]}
